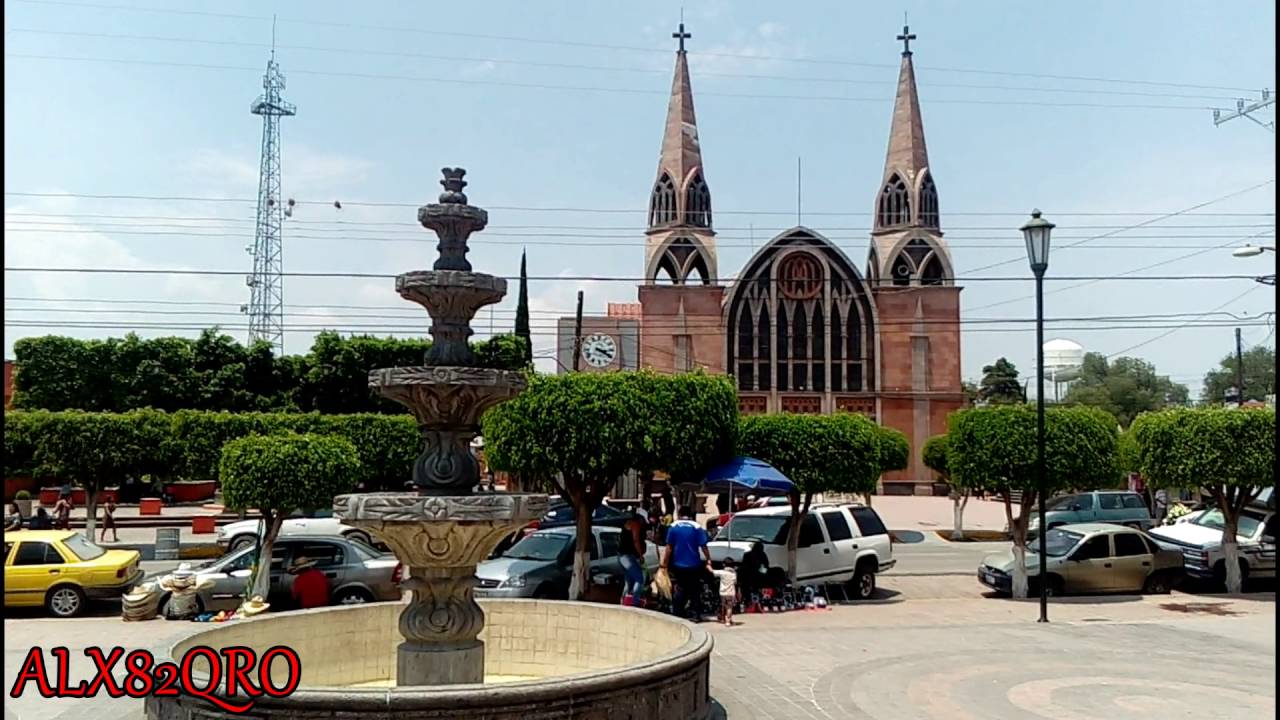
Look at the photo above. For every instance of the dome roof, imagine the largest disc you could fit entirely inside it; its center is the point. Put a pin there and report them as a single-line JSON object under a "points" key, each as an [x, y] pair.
{"points": [[1062, 344]]}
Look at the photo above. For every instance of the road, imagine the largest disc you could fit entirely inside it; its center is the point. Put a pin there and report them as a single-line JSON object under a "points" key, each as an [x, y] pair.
{"points": [[932, 555]]}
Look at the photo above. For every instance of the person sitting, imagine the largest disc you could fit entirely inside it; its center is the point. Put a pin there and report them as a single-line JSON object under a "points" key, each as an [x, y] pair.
{"points": [[310, 586], [12, 517], [41, 520], [753, 573]]}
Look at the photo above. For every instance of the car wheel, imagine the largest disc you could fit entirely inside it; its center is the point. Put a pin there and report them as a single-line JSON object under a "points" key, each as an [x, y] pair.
{"points": [[1055, 588], [863, 584], [352, 596], [1220, 573], [240, 542], [1157, 584], [65, 601]]}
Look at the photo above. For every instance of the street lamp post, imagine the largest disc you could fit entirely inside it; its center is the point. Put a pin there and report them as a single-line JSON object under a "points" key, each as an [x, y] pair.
{"points": [[1254, 251], [1036, 232]]}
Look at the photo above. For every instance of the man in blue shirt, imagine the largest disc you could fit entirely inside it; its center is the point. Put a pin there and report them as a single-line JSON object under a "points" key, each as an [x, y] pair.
{"points": [[687, 559]]}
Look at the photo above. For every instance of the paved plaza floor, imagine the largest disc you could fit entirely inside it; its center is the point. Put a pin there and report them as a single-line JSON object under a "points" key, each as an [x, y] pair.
{"points": [[930, 648]]}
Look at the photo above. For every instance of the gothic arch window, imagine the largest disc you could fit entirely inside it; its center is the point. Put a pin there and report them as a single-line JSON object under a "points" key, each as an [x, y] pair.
{"points": [[667, 266], [697, 202], [895, 203], [698, 267], [812, 317], [662, 204], [932, 273], [902, 269], [928, 202]]}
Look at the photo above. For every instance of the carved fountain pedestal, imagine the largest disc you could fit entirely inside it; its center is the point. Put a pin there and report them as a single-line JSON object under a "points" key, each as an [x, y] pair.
{"points": [[444, 530]]}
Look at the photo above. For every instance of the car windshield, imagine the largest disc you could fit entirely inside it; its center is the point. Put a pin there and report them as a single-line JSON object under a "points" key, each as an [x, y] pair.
{"points": [[539, 546], [1057, 542], [1246, 526], [82, 548], [767, 528]]}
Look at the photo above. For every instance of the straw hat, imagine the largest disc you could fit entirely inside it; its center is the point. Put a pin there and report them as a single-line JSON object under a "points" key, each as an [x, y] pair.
{"points": [[140, 594], [254, 606]]}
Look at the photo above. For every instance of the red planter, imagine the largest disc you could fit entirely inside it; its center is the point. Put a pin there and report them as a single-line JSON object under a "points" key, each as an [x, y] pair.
{"points": [[150, 506], [14, 484], [202, 525], [49, 496], [192, 492]]}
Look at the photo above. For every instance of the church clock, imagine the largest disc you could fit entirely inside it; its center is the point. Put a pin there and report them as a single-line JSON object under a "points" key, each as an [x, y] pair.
{"points": [[599, 350]]}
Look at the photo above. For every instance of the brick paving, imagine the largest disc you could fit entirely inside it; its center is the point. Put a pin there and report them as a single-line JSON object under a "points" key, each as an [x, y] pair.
{"points": [[930, 648]]}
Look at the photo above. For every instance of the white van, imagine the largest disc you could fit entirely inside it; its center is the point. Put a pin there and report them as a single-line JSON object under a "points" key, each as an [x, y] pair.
{"points": [[845, 543]]}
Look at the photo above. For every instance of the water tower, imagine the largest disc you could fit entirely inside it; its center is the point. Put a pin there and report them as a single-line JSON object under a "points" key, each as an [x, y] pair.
{"points": [[1062, 361]]}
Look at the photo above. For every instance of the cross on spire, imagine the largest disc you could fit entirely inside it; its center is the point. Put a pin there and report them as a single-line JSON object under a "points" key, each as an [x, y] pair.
{"points": [[681, 36], [906, 37]]}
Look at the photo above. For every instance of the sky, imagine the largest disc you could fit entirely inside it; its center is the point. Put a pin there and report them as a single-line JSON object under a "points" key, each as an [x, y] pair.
{"points": [[1095, 112]]}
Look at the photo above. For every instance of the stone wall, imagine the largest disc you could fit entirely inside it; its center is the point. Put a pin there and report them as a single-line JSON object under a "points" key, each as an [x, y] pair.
{"points": [[607, 662]]}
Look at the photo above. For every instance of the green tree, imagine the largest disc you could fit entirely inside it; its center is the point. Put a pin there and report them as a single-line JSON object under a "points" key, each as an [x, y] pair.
{"points": [[94, 450], [580, 432], [278, 474], [819, 453], [995, 448], [1259, 376], [1228, 452], [522, 312], [934, 455], [1124, 387], [1000, 386]]}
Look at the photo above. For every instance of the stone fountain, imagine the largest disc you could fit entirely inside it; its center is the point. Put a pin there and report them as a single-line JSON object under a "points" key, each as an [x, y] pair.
{"points": [[442, 655], [444, 530]]}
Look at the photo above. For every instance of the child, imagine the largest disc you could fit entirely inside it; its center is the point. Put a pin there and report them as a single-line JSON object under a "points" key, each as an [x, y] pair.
{"points": [[728, 578], [109, 521]]}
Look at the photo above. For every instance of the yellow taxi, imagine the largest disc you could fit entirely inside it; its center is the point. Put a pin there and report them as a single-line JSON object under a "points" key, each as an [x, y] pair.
{"points": [[62, 570]]}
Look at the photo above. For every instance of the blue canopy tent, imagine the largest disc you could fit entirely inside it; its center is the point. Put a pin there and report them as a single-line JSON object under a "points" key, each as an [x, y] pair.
{"points": [[747, 475]]}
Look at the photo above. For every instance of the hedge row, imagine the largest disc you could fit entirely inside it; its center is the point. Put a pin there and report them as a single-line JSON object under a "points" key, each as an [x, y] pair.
{"points": [[187, 444]]}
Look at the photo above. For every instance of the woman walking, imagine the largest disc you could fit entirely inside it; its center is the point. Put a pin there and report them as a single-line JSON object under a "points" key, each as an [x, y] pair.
{"points": [[109, 521], [631, 549]]}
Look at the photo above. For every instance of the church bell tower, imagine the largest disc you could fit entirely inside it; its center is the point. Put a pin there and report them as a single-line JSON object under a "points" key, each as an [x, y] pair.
{"points": [[681, 298]]}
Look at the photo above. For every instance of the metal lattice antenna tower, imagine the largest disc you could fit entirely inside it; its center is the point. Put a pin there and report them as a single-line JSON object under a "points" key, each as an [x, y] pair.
{"points": [[266, 284]]}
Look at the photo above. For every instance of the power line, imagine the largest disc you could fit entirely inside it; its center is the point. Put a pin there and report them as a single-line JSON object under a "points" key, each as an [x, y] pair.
{"points": [[601, 68], [1176, 328], [641, 211], [630, 229], [1144, 223], [602, 46], [1160, 263], [594, 278], [599, 89]]}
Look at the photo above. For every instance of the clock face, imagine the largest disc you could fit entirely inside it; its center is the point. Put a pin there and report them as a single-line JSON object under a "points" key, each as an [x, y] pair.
{"points": [[599, 350]]}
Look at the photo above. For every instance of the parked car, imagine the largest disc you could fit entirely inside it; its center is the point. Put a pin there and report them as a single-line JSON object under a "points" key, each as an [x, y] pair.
{"points": [[540, 565], [838, 544], [357, 573], [560, 514], [244, 533], [1198, 537], [63, 571], [1090, 558], [1098, 506]]}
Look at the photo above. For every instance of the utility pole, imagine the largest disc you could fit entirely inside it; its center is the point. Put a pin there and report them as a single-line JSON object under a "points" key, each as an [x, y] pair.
{"points": [[1246, 111], [266, 283], [577, 335], [1239, 368]]}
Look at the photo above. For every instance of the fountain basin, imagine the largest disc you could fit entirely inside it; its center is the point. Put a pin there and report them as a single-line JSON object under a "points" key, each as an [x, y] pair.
{"points": [[589, 661]]}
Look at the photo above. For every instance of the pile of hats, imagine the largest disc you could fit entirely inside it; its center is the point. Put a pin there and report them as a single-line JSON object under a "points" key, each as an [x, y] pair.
{"points": [[253, 607], [141, 603]]}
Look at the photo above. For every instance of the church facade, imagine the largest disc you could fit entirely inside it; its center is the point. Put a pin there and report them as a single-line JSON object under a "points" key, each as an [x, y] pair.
{"points": [[801, 327]]}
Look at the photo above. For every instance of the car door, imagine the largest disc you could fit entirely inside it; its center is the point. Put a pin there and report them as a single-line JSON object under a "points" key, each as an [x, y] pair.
{"points": [[1111, 508], [35, 566], [230, 581], [814, 559], [330, 557], [843, 544], [607, 561], [1088, 567], [1131, 563], [281, 583]]}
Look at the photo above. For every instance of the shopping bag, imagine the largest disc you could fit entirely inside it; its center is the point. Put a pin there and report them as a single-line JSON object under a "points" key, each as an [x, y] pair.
{"points": [[662, 584]]}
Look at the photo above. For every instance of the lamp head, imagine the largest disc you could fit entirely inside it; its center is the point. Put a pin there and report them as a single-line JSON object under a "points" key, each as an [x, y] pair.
{"points": [[1247, 251], [1036, 232]]}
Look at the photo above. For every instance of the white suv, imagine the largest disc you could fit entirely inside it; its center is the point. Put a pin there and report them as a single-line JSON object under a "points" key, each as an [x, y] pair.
{"points": [[239, 535], [838, 544]]}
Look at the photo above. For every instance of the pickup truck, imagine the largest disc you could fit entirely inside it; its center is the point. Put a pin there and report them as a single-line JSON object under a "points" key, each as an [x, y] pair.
{"points": [[1199, 537], [838, 544]]}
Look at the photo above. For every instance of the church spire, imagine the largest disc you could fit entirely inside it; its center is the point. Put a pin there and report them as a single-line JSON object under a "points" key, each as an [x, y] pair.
{"points": [[681, 239], [908, 247], [907, 153]]}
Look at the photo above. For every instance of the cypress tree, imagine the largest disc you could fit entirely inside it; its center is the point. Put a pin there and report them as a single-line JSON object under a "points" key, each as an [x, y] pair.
{"points": [[522, 310]]}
